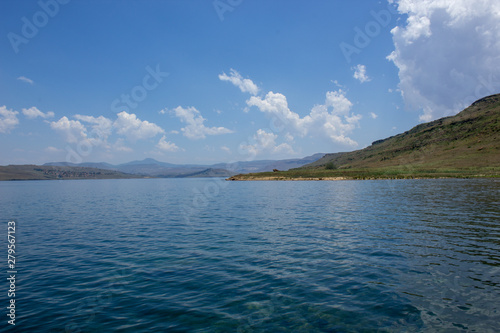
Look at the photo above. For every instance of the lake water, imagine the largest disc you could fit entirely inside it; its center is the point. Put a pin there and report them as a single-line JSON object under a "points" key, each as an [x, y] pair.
{"points": [[205, 255]]}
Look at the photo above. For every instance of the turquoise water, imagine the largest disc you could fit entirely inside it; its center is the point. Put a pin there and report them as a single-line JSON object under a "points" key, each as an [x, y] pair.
{"points": [[205, 255]]}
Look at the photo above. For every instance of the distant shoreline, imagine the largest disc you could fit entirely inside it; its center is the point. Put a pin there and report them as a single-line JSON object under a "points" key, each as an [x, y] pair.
{"points": [[234, 178], [342, 178], [363, 175]]}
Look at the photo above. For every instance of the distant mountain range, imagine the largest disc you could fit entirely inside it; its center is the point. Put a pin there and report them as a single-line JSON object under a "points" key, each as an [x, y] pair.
{"points": [[144, 169], [152, 168]]}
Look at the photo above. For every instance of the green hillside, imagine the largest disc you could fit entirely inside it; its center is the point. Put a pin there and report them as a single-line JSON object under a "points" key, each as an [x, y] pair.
{"points": [[464, 145]]}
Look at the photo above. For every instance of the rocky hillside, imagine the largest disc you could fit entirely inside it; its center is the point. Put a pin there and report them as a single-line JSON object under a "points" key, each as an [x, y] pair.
{"points": [[470, 139], [466, 145]]}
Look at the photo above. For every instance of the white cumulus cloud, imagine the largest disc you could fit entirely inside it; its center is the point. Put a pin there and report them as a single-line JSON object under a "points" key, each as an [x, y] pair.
{"points": [[276, 104], [33, 113], [245, 85], [133, 128], [360, 73], [165, 145], [102, 127], [73, 130], [120, 146], [335, 119], [265, 143], [195, 128], [8, 119], [447, 53], [332, 119]]}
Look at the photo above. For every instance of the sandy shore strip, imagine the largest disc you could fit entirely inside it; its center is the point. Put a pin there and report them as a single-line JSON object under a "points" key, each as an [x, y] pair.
{"points": [[251, 178]]}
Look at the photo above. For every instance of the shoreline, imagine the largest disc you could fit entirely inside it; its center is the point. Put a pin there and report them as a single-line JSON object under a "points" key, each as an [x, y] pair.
{"points": [[277, 178], [287, 179]]}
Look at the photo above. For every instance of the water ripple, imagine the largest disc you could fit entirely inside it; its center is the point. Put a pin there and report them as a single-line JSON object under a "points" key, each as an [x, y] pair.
{"points": [[385, 256]]}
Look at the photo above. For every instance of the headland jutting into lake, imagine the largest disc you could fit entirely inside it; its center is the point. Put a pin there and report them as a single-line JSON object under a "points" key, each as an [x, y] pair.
{"points": [[466, 145]]}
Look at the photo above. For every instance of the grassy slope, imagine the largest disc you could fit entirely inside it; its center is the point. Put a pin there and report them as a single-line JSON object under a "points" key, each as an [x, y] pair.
{"points": [[35, 172], [465, 145]]}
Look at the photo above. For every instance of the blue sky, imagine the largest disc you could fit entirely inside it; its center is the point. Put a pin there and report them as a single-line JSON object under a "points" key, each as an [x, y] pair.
{"points": [[230, 80]]}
